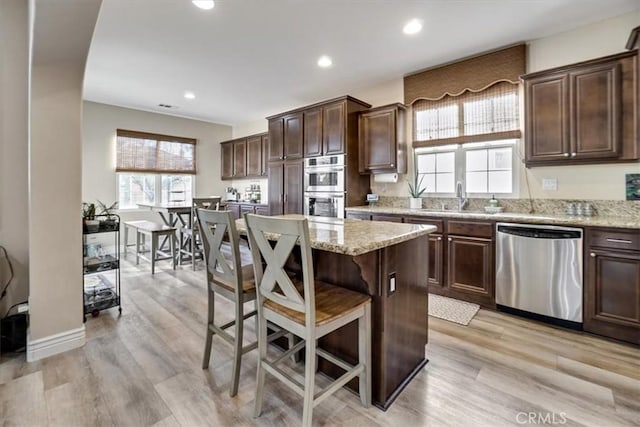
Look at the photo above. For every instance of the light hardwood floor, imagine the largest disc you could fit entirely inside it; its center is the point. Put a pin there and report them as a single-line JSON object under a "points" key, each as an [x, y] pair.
{"points": [[143, 369]]}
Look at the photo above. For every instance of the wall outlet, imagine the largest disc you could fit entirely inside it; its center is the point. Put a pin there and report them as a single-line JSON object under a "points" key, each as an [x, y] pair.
{"points": [[550, 184]]}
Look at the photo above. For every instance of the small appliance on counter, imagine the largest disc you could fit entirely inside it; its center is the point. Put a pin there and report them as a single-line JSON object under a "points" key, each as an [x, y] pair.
{"points": [[252, 193], [372, 199], [231, 194]]}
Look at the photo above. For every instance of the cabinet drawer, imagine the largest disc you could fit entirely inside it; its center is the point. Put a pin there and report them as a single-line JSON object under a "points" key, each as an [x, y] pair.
{"points": [[388, 218], [471, 229], [616, 239], [438, 223]]}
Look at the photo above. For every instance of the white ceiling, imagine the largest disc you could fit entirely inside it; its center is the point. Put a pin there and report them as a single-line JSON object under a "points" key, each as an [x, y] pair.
{"points": [[247, 59]]}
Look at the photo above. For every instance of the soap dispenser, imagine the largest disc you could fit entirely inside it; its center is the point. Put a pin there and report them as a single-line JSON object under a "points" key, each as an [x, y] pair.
{"points": [[493, 202]]}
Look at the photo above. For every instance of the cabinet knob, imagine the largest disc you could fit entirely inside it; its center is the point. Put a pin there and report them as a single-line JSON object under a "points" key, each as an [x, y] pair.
{"points": [[391, 164], [593, 255], [449, 239], [573, 154], [285, 157], [439, 238], [566, 154]]}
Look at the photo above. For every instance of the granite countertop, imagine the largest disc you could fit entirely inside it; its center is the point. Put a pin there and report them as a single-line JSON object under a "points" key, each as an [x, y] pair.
{"points": [[595, 221], [353, 236]]}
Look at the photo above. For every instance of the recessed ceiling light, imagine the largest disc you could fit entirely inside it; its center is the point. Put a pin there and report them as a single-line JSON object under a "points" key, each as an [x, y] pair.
{"points": [[190, 95], [412, 27], [324, 61], [204, 4]]}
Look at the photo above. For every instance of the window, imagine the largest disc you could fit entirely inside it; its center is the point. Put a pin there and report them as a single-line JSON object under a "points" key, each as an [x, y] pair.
{"points": [[153, 168], [484, 168]]}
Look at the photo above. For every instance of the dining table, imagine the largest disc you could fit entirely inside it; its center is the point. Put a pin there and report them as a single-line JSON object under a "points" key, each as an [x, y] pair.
{"points": [[176, 215]]}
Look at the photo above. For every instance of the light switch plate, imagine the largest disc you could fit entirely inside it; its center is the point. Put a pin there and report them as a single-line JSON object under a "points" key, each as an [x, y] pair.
{"points": [[550, 184], [392, 283]]}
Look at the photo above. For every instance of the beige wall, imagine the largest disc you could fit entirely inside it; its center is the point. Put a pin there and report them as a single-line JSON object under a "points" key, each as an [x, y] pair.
{"points": [[98, 142], [14, 138]]}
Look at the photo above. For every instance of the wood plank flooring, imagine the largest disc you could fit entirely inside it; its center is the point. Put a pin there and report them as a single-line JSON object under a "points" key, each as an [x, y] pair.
{"points": [[143, 369]]}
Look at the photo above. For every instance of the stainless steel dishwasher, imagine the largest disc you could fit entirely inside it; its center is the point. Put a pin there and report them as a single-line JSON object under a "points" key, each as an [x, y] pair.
{"points": [[539, 272]]}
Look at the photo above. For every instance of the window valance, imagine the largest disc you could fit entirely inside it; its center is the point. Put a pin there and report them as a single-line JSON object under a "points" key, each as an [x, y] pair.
{"points": [[154, 153]]}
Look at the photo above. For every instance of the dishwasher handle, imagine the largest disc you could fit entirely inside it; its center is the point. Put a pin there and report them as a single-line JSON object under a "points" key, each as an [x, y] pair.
{"points": [[539, 233]]}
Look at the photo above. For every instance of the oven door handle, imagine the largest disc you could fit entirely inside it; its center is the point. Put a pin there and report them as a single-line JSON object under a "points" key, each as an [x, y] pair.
{"points": [[324, 195], [311, 170]]}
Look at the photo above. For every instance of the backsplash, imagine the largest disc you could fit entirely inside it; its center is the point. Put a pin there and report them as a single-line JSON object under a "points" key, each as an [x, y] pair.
{"points": [[615, 208]]}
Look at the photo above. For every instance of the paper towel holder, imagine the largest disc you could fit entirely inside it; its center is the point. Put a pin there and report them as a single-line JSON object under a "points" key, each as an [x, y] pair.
{"points": [[385, 178]]}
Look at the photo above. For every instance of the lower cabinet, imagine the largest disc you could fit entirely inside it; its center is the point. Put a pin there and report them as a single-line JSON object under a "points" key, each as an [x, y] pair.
{"points": [[359, 215], [238, 209], [470, 269], [436, 253], [612, 292]]}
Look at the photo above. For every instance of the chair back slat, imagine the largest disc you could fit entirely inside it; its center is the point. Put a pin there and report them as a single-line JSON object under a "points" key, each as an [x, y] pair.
{"points": [[272, 282], [223, 265], [212, 203]]}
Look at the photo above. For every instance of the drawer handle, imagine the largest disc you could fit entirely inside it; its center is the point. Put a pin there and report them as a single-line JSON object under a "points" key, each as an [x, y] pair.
{"points": [[625, 241], [593, 255]]}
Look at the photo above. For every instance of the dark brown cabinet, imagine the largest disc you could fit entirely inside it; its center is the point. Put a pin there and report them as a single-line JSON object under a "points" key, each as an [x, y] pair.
{"points": [[226, 160], [582, 113], [244, 158], [264, 153], [238, 209], [612, 292], [313, 132], [382, 145], [285, 188], [235, 209], [359, 215], [436, 251], [470, 267], [285, 137], [324, 130]]}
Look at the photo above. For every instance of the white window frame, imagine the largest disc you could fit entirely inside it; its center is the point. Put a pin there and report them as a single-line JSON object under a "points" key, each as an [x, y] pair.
{"points": [[157, 187], [460, 166]]}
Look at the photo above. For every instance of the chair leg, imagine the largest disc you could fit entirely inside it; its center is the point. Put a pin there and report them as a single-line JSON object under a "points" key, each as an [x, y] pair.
{"points": [[262, 357], [193, 250], [137, 247], [154, 249], [172, 242], [180, 237], [237, 350], [309, 381], [210, 333], [364, 355], [126, 240]]}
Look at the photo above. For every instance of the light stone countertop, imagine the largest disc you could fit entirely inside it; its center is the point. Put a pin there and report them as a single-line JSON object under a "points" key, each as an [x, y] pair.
{"points": [[579, 221], [353, 236]]}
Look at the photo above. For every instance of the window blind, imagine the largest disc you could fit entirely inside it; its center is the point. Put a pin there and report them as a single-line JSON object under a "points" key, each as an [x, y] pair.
{"points": [[154, 153]]}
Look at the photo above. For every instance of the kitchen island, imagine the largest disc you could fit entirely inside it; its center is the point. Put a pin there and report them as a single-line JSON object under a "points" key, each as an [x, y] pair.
{"points": [[388, 262]]}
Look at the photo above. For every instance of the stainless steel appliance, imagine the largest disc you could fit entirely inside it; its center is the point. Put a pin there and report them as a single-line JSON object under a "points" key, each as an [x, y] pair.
{"points": [[325, 174], [329, 205], [539, 272]]}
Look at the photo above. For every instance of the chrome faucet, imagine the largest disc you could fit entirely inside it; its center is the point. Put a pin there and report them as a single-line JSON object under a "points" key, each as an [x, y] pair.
{"points": [[461, 196]]}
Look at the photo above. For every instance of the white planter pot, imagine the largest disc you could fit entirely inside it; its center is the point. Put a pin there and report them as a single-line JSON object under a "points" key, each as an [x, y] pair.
{"points": [[415, 203]]}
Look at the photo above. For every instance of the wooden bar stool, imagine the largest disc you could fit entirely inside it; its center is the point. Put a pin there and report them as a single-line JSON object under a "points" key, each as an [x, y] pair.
{"points": [[190, 238], [319, 310], [155, 231]]}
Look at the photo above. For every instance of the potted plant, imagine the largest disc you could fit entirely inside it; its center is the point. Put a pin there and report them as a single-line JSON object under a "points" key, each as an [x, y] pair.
{"points": [[89, 217], [110, 222], [415, 191]]}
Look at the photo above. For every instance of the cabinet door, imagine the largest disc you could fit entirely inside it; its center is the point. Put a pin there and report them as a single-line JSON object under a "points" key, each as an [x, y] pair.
{"points": [[547, 118], [246, 209], [240, 159], [596, 112], [333, 129], [470, 267], [226, 159], [612, 298], [235, 209], [262, 210], [388, 218], [377, 140], [275, 173], [312, 123], [264, 155], [435, 261], [293, 188], [276, 139], [293, 136], [254, 156]]}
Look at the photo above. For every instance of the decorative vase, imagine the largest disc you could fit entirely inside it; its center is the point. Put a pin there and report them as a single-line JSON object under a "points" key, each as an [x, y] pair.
{"points": [[415, 202]]}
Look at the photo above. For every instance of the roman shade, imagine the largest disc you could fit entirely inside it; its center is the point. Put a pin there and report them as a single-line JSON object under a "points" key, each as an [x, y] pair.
{"points": [[153, 153]]}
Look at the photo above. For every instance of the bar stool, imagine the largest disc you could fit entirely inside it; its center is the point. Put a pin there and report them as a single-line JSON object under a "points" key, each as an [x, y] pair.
{"points": [[227, 277], [321, 309], [190, 238]]}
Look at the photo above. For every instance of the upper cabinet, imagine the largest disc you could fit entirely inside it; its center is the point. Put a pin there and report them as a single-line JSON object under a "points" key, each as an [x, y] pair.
{"points": [[244, 158], [382, 143], [582, 113], [285, 137], [324, 130]]}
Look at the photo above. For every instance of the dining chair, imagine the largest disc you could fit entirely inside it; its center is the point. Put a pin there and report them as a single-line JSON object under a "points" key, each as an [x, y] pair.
{"points": [[190, 237], [227, 277], [309, 309]]}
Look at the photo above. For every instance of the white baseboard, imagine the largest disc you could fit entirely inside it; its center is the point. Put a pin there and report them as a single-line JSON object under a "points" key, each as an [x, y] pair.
{"points": [[54, 344]]}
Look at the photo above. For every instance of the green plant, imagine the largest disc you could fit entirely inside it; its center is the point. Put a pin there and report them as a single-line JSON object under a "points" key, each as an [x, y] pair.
{"points": [[88, 211], [108, 210], [416, 189]]}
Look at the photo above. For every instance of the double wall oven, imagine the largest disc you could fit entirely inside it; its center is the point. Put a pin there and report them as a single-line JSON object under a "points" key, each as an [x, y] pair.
{"points": [[324, 186]]}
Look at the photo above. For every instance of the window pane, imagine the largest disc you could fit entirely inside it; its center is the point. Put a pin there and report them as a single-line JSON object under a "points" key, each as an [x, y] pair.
{"points": [[476, 182], [437, 123], [445, 183], [426, 163], [176, 188], [500, 158], [500, 182], [446, 162], [134, 189], [476, 160], [430, 182]]}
